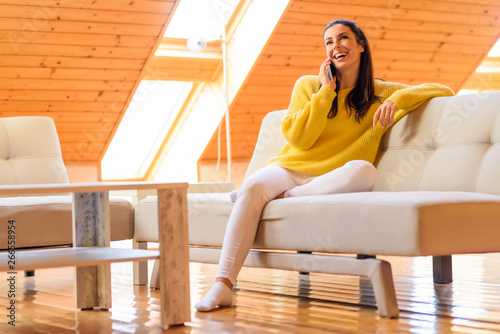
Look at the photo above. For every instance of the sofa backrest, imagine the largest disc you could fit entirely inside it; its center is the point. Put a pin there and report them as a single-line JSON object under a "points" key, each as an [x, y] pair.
{"points": [[30, 151], [269, 141], [448, 143]]}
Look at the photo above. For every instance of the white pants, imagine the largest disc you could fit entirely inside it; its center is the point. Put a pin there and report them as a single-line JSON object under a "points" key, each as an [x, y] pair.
{"points": [[265, 185]]}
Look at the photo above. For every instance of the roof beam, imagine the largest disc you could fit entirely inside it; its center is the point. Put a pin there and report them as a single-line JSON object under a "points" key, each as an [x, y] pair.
{"points": [[173, 61]]}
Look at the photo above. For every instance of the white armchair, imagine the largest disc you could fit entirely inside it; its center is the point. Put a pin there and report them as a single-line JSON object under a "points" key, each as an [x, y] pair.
{"points": [[30, 154]]}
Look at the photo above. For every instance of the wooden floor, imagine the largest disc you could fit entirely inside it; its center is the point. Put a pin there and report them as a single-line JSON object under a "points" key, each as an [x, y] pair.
{"points": [[272, 301]]}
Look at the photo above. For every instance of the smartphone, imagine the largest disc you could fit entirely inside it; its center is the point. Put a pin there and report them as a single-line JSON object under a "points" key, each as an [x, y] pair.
{"points": [[331, 72]]}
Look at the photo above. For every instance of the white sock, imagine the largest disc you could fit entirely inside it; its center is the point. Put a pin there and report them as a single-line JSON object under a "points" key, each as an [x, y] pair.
{"points": [[218, 295], [234, 195]]}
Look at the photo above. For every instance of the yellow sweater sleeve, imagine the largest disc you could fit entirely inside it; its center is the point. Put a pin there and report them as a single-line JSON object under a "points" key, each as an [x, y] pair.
{"points": [[408, 98], [307, 113]]}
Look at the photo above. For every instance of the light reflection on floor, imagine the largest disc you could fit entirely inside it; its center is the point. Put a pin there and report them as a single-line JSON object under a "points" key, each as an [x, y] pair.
{"points": [[273, 301]]}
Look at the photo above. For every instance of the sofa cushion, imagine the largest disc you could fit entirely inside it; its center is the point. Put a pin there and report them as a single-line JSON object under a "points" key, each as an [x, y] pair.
{"points": [[269, 142], [409, 223], [207, 216], [448, 144], [47, 220], [384, 223]]}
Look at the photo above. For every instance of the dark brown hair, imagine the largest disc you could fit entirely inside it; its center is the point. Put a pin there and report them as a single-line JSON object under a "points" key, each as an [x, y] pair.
{"points": [[362, 95]]}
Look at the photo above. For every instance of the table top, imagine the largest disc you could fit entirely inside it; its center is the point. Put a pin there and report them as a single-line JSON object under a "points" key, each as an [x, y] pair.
{"points": [[85, 187]]}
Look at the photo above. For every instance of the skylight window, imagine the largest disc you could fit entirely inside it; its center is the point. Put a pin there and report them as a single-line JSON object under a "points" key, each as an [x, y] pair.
{"points": [[200, 18], [146, 122], [495, 51], [157, 103], [487, 69]]}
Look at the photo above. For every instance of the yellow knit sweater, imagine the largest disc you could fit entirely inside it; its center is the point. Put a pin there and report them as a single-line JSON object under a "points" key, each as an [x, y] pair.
{"points": [[317, 144]]}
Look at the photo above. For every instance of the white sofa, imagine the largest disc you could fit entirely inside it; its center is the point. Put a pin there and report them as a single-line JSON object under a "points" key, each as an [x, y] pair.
{"points": [[30, 154], [437, 194]]}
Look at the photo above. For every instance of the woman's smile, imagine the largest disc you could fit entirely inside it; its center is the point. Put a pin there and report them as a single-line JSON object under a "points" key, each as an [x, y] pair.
{"points": [[340, 56]]}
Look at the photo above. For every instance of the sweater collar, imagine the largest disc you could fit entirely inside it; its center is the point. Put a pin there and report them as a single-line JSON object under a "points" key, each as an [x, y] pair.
{"points": [[344, 92]]}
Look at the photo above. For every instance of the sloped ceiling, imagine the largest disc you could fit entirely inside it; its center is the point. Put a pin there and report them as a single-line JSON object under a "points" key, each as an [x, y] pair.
{"points": [[79, 62], [411, 41]]}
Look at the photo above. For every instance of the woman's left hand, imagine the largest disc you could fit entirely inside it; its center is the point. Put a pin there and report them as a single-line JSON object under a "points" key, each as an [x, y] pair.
{"points": [[385, 114]]}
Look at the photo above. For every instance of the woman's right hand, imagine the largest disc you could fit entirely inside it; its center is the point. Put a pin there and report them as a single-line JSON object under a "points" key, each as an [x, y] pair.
{"points": [[323, 77]]}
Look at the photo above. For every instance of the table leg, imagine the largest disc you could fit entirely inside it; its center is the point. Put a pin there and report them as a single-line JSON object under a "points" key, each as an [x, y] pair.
{"points": [[91, 227], [174, 257], [140, 268]]}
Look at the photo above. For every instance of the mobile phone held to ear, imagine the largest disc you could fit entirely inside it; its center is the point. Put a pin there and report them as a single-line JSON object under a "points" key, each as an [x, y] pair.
{"points": [[331, 72]]}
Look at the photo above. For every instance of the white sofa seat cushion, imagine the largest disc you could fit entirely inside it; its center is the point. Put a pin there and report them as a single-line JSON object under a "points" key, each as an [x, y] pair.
{"points": [[207, 215], [47, 220], [409, 223]]}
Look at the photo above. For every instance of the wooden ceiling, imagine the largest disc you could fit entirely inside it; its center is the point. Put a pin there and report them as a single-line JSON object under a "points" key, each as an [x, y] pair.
{"points": [[412, 42], [79, 62]]}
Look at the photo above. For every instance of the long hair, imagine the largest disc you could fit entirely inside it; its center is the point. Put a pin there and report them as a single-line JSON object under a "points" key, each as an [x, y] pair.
{"points": [[362, 95]]}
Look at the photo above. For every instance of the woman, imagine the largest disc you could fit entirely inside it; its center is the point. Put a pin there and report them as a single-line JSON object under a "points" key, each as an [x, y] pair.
{"points": [[333, 129]]}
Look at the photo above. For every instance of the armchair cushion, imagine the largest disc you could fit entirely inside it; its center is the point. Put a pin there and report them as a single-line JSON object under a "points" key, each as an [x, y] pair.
{"points": [[30, 151], [46, 220]]}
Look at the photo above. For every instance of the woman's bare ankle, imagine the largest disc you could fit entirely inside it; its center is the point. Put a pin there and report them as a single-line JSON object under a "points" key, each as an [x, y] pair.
{"points": [[226, 282]]}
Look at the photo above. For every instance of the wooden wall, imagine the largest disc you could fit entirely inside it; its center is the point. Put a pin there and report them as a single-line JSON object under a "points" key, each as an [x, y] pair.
{"points": [[412, 42], [79, 62]]}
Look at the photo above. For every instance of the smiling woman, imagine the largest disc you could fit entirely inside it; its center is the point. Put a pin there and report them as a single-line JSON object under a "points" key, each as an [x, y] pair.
{"points": [[324, 153]]}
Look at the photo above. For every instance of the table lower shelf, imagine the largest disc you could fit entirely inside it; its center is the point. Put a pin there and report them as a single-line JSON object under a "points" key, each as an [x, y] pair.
{"points": [[72, 257]]}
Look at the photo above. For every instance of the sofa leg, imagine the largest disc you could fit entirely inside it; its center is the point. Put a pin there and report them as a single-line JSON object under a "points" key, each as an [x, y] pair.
{"points": [[29, 273], [378, 271], [303, 272], [140, 268], [442, 269], [384, 291], [155, 276]]}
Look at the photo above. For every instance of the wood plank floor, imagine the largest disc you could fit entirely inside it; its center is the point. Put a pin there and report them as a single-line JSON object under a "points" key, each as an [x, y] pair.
{"points": [[272, 301]]}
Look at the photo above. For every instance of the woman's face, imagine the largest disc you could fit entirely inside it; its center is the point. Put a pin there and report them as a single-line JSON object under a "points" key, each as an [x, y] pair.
{"points": [[342, 47]]}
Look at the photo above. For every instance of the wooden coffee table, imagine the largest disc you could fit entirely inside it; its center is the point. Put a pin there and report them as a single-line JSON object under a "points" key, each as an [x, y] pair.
{"points": [[91, 253]]}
